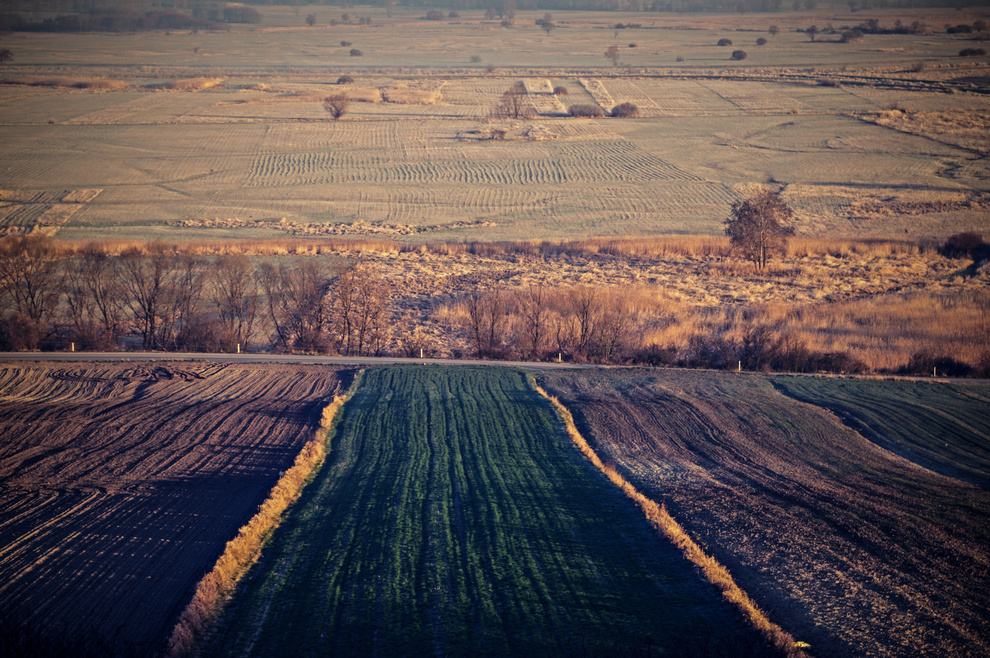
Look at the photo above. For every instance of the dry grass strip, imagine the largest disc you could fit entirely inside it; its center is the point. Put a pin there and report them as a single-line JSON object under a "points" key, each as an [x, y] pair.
{"points": [[243, 550], [672, 530]]}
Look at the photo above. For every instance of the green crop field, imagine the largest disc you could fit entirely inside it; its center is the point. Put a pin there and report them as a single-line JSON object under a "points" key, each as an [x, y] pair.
{"points": [[942, 427], [453, 516]]}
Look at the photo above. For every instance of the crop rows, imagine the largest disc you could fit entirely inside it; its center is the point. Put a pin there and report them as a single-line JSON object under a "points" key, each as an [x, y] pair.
{"points": [[120, 485], [845, 543], [454, 517]]}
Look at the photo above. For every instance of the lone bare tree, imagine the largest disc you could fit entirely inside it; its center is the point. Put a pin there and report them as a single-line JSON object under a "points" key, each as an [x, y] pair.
{"points": [[759, 227], [612, 53], [336, 105], [514, 103]]}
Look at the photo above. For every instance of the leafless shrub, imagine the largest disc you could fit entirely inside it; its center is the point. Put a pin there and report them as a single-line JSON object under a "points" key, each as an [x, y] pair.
{"points": [[585, 110], [336, 105]]}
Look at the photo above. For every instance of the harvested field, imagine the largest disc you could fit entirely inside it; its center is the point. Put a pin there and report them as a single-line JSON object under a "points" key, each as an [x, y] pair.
{"points": [[217, 135], [121, 483], [846, 543], [455, 517]]}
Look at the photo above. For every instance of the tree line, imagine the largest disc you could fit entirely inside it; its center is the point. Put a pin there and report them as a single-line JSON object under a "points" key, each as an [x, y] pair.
{"points": [[157, 297]]}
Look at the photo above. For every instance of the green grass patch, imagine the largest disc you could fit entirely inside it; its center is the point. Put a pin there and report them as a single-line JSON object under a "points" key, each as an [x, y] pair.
{"points": [[453, 516]]}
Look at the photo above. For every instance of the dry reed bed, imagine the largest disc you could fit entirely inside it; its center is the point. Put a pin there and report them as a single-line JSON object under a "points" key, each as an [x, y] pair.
{"points": [[243, 551], [667, 526]]}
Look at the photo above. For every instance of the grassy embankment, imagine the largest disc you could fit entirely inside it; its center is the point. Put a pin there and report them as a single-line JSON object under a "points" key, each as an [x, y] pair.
{"points": [[453, 516]]}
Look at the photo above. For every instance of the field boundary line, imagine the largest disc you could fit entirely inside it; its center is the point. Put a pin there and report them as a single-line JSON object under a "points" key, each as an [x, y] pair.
{"points": [[669, 528], [241, 552]]}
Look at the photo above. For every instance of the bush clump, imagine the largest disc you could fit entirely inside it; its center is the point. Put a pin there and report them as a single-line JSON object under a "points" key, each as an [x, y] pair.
{"points": [[761, 41], [724, 42], [345, 80], [585, 110], [355, 52], [560, 90], [738, 55], [964, 245], [972, 52], [625, 111]]}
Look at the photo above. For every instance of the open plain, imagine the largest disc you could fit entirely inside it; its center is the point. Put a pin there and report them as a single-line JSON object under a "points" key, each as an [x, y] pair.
{"points": [[193, 134]]}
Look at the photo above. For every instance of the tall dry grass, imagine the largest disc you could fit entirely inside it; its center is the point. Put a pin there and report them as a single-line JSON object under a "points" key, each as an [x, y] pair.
{"points": [[713, 571], [243, 551]]}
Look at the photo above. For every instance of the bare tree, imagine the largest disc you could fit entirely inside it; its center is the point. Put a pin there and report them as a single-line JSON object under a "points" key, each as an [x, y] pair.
{"points": [[774, 30], [148, 280], [336, 105], [812, 31], [233, 293], [311, 19], [96, 298], [31, 284], [759, 227], [6, 55], [298, 302], [612, 53], [486, 313], [514, 103], [533, 306]]}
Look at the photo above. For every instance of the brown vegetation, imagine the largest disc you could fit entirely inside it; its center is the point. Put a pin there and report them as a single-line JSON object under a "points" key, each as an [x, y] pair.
{"points": [[838, 306]]}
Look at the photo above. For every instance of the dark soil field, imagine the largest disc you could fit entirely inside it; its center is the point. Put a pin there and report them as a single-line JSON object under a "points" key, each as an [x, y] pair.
{"points": [[121, 483], [852, 542], [454, 517]]}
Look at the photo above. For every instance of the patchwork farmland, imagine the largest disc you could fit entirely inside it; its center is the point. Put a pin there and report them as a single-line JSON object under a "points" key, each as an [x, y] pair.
{"points": [[223, 135], [455, 517]]}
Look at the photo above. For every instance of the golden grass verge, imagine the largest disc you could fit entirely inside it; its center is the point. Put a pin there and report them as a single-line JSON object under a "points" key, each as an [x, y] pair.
{"points": [[673, 531], [243, 550], [193, 84]]}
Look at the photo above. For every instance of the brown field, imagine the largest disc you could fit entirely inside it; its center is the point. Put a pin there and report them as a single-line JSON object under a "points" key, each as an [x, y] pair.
{"points": [[847, 545], [223, 135], [121, 483]]}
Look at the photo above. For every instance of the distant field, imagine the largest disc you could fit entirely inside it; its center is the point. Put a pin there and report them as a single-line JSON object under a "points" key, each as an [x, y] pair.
{"points": [[454, 517], [847, 544], [121, 483], [234, 159]]}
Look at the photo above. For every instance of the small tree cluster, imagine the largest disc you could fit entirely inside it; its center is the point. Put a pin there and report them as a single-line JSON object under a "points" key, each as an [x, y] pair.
{"points": [[739, 55]]}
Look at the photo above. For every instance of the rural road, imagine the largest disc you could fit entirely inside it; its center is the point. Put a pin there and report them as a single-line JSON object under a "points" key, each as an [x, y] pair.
{"points": [[314, 359]]}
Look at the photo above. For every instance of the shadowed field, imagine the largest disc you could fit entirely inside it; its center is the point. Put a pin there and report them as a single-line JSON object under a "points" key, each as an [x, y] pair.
{"points": [[849, 546]]}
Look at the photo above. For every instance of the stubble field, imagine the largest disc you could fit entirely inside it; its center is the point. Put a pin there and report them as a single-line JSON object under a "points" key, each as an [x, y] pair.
{"points": [[121, 483], [189, 135]]}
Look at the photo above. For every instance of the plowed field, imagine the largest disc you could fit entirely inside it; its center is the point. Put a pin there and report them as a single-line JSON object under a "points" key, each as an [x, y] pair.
{"points": [[848, 543], [121, 483], [453, 517]]}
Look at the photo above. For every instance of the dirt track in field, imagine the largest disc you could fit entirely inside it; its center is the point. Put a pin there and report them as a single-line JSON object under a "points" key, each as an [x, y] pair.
{"points": [[846, 545], [121, 483]]}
